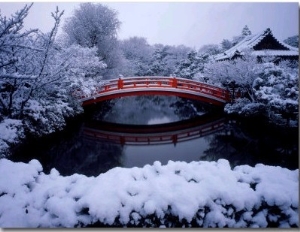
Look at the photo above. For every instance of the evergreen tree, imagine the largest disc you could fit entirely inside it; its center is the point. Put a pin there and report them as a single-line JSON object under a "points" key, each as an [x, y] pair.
{"points": [[226, 44], [246, 31], [192, 65], [239, 38], [158, 66], [292, 41], [166, 58]]}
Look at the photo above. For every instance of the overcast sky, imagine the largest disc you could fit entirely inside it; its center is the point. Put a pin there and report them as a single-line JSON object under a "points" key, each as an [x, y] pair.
{"points": [[193, 24]]}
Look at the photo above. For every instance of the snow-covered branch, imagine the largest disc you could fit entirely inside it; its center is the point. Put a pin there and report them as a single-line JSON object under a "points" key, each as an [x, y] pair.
{"points": [[18, 76], [15, 23]]}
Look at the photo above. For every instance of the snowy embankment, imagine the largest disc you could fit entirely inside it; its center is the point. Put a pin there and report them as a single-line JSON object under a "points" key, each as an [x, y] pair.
{"points": [[196, 194]]}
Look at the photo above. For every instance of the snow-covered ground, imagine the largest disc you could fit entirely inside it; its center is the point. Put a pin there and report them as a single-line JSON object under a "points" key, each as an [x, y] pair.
{"points": [[179, 194]]}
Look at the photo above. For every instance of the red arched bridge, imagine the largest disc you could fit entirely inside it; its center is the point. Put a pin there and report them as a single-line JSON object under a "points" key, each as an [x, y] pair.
{"points": [[155, 85], [167, 133]]}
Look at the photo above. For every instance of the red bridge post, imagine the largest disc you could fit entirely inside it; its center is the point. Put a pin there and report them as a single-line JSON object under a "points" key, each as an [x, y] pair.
{"points": [[120, 83], [174, 83], [174, 139]]}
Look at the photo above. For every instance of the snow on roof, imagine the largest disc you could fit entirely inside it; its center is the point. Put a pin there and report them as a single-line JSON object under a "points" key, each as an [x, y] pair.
{"points": [[269, 52], [251, 41]]}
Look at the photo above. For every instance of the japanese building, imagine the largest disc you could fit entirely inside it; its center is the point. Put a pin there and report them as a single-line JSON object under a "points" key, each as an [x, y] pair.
{"points": [[261, 45]]}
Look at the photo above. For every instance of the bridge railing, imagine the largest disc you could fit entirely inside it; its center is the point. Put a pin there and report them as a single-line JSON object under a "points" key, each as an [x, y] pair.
{"points": [[153, 135], [158, 82]]}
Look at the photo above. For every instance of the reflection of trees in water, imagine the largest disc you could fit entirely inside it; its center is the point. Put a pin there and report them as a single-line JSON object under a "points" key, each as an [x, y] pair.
{"points": [[141, 109], [69, 152], [228, 144], [84, 157], [251, 143]]}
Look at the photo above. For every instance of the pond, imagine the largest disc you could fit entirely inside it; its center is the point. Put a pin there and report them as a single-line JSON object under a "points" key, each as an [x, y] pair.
{"points": [[136, 131]]}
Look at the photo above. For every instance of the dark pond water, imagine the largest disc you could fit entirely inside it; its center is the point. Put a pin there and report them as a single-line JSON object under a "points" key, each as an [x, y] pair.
{"points": [[135, 131]]}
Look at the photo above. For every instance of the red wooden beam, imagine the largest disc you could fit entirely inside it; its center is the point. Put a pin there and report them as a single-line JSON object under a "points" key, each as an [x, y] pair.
{"points": [[170, 86]]}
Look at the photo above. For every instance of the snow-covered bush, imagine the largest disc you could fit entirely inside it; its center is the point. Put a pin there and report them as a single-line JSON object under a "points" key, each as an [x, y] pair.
{"points": [[276, 86], [84, 67], [241, 71], [179, 194], [267, 89], [244, 107], [11, 132]]}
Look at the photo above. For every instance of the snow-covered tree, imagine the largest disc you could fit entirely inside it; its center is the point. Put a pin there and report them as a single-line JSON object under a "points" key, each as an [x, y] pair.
{"points": [[136, 47], [35, 75], [174, 55], [277, 87], [38, 76], [266, 89], [226, 44], [27, 68], [137, 53], [94, 24], [193, 64], [14, 48], [159, 65], [57, 100], [239, 71], [293, 41], [166, 58], [246, 31], [210, 49]]}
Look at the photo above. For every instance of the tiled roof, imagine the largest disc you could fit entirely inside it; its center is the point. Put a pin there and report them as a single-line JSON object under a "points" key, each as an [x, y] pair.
{"points": [[251, 41]]}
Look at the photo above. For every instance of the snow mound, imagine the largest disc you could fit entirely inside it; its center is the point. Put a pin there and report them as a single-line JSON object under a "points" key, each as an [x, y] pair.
{"points": [[179, 194]]}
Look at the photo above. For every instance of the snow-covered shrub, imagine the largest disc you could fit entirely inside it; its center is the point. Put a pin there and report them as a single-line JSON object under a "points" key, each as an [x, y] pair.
{"points": [[198, 194], [244, 107], [237, 106], [44, 116], [83, 70], [11, 132], [277, 87], [272, 90], [241, 71]]}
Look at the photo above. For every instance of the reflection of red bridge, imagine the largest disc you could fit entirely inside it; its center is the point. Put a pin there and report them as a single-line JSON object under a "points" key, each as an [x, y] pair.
{"points": [[154, 134], [133, 86]]}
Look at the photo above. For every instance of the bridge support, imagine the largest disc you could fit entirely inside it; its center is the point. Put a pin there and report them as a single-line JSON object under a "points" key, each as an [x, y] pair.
{"points": [[170, 86]]}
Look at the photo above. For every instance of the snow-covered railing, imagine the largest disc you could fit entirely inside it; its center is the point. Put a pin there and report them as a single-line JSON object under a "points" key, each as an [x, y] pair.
{"points": [[179, 194], [156, 85]]}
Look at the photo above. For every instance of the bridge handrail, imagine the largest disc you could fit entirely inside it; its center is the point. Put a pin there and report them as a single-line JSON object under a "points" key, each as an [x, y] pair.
{"points": [[179, 133], [160, 78], [158, 82]]}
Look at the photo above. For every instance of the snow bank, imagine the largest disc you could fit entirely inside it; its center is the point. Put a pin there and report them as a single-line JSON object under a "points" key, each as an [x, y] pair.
{"points": [[179, 194]]}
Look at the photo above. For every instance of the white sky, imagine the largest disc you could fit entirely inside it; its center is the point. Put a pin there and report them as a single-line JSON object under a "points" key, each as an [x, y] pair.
{"points": [[193, 24]]}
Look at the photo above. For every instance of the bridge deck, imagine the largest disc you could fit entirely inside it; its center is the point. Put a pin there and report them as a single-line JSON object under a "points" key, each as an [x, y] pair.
{"points": [[150, 85]]}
